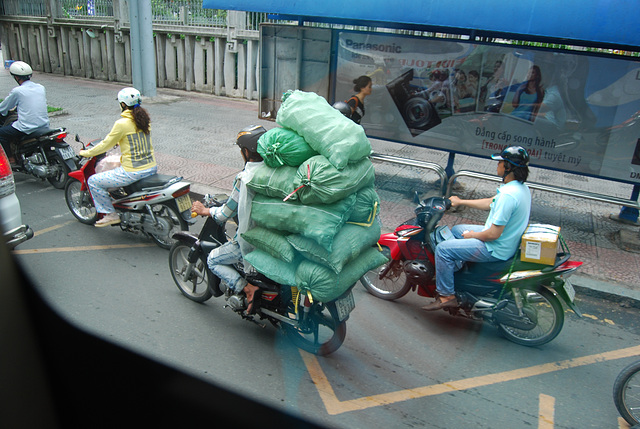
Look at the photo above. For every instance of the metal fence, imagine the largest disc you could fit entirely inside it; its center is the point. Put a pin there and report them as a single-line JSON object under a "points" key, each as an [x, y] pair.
{"points": [[168, 12], [23, 7]]}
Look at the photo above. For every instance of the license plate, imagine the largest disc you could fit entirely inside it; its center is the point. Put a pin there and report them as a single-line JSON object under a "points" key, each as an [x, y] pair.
{"points": [[184, 203], [67, 152], [345, 306], [568, 288]]}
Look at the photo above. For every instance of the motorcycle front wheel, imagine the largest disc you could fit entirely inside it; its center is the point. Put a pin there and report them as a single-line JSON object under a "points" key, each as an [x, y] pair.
{"points": [[193, 280], [61, 178], [80, 202], [541, 307], [320, 332], [170, 213], [392, 286], [626, 393]]}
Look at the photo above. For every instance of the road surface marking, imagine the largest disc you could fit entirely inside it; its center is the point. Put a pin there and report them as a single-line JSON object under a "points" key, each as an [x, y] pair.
{"points": [[81, 248], [546, 411], [52, 228], [335, 406]]}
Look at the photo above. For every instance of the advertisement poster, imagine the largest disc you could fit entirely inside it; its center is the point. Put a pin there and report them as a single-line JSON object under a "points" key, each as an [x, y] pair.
{"points": [[572, 112]]}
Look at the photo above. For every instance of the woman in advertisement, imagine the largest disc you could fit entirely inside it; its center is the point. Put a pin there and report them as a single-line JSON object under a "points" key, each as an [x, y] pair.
{"points": [[527, 99], [362, 87]]}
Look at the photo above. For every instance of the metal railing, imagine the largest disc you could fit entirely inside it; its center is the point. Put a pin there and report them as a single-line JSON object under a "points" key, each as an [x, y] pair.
{"points": [[23, 7], [548, 188], [413, 163]]}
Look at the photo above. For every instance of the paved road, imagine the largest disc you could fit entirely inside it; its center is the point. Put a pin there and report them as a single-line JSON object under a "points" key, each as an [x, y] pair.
{"points": [[399, 367]]}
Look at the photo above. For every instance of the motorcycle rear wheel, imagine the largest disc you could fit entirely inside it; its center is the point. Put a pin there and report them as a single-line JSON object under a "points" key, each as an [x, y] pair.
{"points": [[322, 334], [178, 224], [60, 180], [626, 393], [198, 286], [392, 286], [547, 310], [80, 202]]}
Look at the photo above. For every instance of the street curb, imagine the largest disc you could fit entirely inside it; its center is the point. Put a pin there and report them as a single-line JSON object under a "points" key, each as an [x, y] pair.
{"points": [[605, 290]]}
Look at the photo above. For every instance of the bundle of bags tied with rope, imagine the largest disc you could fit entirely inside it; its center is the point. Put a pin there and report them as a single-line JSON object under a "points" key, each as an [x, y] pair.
{"points": [[315, 207]]}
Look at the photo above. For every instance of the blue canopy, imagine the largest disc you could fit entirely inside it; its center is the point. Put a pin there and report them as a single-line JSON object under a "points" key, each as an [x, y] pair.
{"points": [[613, 24]]}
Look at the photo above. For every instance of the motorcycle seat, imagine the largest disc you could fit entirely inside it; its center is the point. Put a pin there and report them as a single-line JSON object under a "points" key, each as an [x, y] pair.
{"points": [[151, 182]]}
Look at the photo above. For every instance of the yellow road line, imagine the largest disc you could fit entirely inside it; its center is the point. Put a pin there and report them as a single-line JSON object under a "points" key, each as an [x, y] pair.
{"points": [[334, 406], [80, 248], [52, 228], [546, 412]]}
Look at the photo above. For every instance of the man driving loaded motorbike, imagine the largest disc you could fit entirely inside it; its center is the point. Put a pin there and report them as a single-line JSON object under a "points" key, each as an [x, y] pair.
{"points": [[498, 238], [220, 260], [31, 102], [133, 134]]}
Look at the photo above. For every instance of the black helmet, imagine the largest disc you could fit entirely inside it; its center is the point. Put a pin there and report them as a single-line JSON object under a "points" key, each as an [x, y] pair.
{"points": [[343, 108], [249, 136], [515, 155]]}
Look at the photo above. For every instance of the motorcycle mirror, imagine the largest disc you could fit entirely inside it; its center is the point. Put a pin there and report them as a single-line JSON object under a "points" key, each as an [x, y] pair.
{"points": [[416, 197], [77, 138]]}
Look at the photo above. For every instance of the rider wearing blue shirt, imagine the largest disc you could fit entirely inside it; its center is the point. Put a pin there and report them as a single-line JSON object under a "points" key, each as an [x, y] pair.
{"points": [[498, 238], [31, 102]]}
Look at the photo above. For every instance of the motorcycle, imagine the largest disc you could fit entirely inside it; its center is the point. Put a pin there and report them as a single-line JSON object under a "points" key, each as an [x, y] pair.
{"points": [[44, 154], [522, 299], [156, 206], [317, 327], [626, 394]]}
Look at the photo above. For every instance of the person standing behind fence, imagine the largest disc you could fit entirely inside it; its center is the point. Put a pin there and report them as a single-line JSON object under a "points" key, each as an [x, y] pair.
{"points": [[362, 87]]}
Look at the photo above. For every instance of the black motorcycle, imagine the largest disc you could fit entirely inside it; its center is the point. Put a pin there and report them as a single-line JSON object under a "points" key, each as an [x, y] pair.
{"points": [[44, 154], [317, 327]]}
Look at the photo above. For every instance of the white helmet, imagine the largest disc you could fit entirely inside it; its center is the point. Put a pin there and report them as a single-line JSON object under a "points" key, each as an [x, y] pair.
{"points": [[129, 96], [20, 68]]}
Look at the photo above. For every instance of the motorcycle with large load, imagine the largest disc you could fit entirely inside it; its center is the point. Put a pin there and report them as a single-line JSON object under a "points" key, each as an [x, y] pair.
{"points": [[318, 327], [523, 299], [313, 224], [157, 206]]}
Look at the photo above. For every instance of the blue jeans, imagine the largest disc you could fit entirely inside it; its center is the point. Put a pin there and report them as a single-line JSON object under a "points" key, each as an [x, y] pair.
{"points": [[220, 262], [450, 253]]}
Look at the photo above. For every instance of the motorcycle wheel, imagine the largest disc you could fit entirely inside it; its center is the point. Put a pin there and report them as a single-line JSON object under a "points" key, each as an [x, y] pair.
{"points": [[80, 202], [60, 180], [177, 224], [626, 393], [323, 334], [392, 286], [542, 307], [197, 286]]}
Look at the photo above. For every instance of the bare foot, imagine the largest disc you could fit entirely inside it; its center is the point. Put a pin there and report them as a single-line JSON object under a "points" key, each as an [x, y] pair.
{"points": [[250, 290]]}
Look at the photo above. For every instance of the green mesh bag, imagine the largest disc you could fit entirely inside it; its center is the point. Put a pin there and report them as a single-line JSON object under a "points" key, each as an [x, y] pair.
{"points": [[277, 182], [273, 242], [367, 206], [282, 146], [319, 222], [348, 244], [322, 183], [325, 285], [324, 128], [274, 268]]}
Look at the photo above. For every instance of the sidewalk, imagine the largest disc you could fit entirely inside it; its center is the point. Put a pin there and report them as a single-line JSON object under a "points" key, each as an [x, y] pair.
{"points": [[193, 136]]}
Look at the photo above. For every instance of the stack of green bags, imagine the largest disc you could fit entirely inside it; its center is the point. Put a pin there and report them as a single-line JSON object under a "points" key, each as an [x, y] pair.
{"points": [[315, 207]]}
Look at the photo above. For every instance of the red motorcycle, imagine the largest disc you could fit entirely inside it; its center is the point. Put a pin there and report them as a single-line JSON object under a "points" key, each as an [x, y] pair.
{"points": [[522, 299], [157, 206]]}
